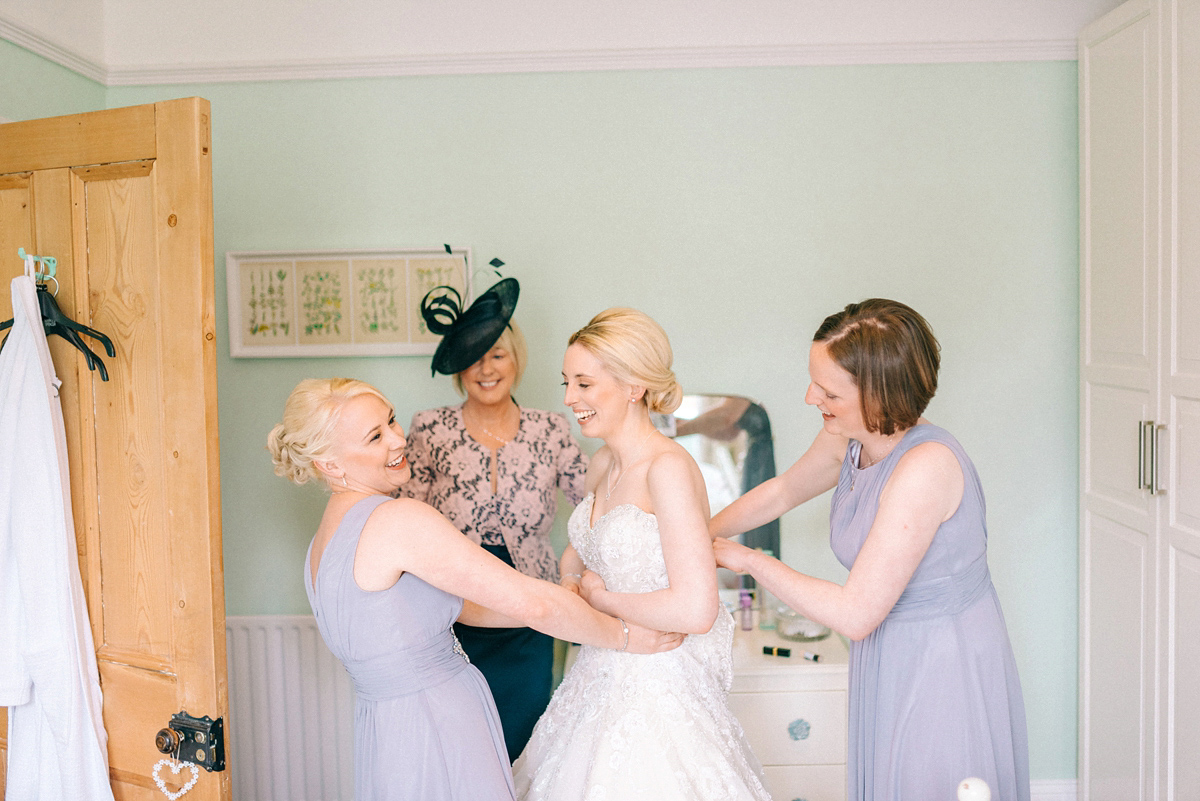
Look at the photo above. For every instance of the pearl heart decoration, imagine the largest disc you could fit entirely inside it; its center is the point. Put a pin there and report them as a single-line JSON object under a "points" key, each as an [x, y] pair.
{"points": [[175, 767]]}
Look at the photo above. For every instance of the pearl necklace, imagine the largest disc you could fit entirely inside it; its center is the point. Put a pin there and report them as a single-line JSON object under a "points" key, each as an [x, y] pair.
{"points": [[611, 485], [485, 430]]}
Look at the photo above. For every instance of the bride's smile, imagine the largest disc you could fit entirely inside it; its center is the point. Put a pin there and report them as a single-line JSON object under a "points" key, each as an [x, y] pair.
{"points": [[597, 399]]}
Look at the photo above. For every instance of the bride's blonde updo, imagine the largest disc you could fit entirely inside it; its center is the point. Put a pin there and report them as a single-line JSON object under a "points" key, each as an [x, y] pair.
{"points": [[635, 349], [309, 417]]}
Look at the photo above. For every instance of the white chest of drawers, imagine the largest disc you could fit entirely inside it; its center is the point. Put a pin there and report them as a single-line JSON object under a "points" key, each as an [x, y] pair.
{"points": [[794, 713]]}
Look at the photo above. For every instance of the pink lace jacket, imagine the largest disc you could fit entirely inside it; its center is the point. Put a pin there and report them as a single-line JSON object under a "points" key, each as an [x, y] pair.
{"points": [[451, 472]]}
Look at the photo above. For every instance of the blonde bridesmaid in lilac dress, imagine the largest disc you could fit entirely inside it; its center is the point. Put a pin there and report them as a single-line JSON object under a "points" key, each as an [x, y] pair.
{"points": [[387, 578]]}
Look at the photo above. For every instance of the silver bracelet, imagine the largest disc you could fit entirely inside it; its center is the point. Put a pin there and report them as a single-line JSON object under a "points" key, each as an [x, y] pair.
{"points": [[576, 575], [625, 629]]}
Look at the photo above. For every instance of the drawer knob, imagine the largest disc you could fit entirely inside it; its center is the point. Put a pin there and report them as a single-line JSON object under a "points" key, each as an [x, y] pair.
{"points": [[799, 729]]}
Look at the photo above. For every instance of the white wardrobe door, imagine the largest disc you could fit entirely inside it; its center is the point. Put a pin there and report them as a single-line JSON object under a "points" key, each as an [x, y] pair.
{"points": [[1181, 379], [1119, 154]]}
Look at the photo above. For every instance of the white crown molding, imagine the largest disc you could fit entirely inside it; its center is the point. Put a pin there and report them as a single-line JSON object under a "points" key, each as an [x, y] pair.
{"points": [[41, 46], [552, 61], [598, 60]]}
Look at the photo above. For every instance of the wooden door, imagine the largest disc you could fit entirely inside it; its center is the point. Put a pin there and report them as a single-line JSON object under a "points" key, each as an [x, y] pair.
{"points": [[123, 200], [1119, 158]]}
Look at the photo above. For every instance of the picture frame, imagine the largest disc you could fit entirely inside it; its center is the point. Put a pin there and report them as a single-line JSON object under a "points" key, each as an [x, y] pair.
{"points": [[303, 304]]}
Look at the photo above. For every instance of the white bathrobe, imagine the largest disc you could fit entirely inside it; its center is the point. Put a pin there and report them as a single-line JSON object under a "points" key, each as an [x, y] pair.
{"points": [[57, 746]]}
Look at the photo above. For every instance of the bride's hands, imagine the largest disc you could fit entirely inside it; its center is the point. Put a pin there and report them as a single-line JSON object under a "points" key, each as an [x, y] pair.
{"points": [[641, 640], [649, 641], [592, 589]]}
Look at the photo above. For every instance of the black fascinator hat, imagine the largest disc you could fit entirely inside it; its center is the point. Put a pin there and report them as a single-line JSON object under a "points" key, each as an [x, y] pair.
{"points": [[467, 335]]}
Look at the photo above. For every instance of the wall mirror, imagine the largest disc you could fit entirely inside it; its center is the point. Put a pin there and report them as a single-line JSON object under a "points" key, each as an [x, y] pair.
{"points": [[730, 438]]}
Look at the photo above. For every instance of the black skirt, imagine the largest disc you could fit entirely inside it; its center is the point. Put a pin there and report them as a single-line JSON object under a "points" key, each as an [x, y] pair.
{"points": [[518, 665]]}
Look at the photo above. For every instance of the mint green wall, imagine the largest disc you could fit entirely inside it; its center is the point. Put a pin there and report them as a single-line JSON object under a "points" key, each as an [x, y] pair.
{"points": [[738, 207], [32, 87]]}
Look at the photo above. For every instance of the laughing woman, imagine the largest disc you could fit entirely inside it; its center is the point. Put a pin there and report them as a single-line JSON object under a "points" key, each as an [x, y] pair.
{"points": [[494, 469], [386, 578]]}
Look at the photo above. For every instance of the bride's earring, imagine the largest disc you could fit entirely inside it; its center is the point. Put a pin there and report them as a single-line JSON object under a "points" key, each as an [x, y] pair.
{"points": [[344, 484]]}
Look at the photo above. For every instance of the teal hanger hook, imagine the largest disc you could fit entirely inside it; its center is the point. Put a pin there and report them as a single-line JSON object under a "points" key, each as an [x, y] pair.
{"points": [[49, 262], [53, 319]]}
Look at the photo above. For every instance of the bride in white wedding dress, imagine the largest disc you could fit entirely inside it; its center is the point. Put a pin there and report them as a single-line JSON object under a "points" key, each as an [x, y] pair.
{"points": [[622, 726]]}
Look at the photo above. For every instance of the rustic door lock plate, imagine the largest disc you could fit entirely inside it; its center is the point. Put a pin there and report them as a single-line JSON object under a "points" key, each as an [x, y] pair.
{"points": [[198, 740]]}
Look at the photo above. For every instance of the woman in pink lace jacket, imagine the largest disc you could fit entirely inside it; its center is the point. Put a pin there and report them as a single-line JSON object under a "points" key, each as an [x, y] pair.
{"points": [[495, 468]]}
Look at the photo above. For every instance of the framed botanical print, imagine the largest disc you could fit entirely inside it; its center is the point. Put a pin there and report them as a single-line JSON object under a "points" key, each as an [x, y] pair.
{"points": [[337, 303]]}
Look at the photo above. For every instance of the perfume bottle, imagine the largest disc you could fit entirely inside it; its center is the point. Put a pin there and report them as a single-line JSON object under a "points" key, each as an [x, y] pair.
{"points": [[746, 603]]}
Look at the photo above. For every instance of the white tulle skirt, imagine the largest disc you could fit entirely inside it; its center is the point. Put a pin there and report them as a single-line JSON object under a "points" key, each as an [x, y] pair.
{"points": [[624, 727]]}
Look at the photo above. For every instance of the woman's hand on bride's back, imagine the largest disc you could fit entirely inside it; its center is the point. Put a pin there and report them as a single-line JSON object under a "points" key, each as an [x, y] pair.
{"points": [[649, 641]]}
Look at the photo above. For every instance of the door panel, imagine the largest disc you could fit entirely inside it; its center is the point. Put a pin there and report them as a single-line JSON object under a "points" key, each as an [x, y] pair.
{"points": [[1186, 294], [1119, 155], [1119, 147], [1183, 694], [16, 225], [123, 199], [1117, 573], [134, 626], [1181, 456], [1111, 419], [101, 137]]}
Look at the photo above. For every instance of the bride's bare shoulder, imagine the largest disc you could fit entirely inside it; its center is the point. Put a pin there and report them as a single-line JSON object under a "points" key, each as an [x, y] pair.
{"points": [[673, 466]]}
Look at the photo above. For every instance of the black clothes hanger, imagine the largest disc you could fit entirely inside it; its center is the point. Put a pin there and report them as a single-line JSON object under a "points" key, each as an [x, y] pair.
{"points": [[55, 322]]}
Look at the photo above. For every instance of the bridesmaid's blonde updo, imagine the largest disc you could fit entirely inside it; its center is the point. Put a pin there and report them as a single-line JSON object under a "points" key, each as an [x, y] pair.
{"points": [[309, 417], [635, 349]]}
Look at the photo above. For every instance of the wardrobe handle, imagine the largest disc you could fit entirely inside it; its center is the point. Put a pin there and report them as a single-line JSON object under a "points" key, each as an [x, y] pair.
{"points": [[1153, 484], [1141, 454]]}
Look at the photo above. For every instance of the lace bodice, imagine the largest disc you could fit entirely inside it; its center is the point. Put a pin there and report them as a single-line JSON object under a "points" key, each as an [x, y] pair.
{"points": [[623, 548]]}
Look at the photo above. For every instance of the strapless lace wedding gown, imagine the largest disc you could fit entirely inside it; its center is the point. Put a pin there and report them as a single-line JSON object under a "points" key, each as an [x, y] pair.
{"points": [[623, 726]]}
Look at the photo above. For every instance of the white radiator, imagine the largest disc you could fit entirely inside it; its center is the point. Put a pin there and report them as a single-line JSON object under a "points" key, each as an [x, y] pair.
{"points": [[291, 712]]}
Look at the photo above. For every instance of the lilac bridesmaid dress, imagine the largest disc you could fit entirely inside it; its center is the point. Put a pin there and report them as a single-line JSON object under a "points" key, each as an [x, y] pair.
{"points": [[425, 727], [934, 693]]}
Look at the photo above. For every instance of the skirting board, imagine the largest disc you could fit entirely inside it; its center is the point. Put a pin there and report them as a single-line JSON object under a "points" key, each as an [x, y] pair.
{"points": [[1054, 790]]}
